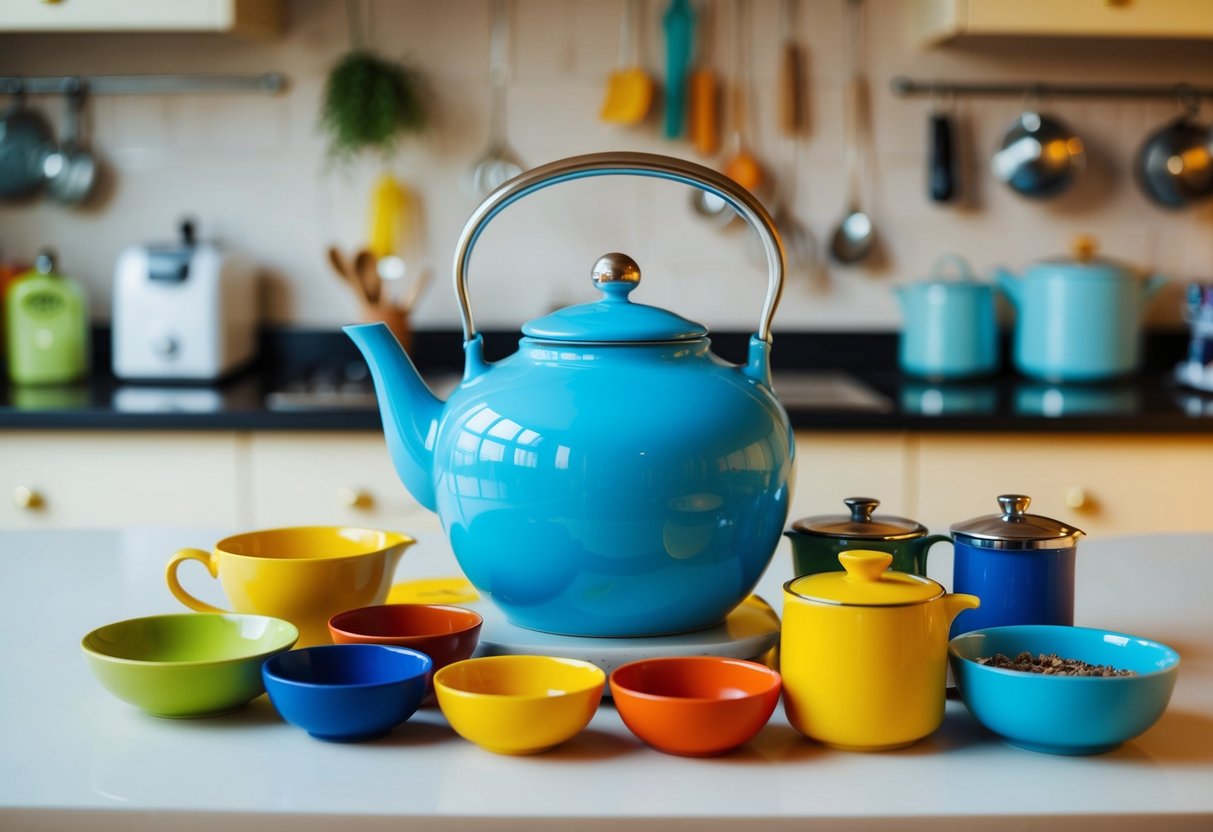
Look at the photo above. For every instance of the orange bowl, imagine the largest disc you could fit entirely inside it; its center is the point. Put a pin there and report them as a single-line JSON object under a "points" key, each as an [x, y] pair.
{"points": [[695, 706]]}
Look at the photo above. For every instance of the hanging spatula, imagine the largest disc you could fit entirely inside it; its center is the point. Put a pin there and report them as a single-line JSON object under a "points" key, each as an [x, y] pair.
{"points": [[679, 25], [629, 88]]}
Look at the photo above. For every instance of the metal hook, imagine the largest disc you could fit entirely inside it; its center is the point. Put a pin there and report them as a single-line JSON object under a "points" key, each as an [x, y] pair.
{"points": [[1188, 100], [942, 94]]}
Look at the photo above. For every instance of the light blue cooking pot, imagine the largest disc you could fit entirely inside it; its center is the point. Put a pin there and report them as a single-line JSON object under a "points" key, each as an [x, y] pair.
{"points": [[1080, 319], [612, 477], [950, 329]]}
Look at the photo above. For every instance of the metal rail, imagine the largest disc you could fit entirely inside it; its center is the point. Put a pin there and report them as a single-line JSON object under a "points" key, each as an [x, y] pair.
{"points": [[267, 83], [904, 86]]}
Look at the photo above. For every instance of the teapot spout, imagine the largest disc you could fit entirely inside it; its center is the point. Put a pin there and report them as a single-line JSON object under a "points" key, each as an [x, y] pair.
{"points": [[957, 602], [408, 409]]}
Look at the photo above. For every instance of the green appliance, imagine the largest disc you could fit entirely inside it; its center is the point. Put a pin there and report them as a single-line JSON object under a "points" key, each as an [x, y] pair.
{"points": [[47, 326]]}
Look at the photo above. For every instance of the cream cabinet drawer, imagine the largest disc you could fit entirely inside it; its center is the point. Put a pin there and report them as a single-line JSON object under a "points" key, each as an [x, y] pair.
{"points": [[1102, 484], [932, 21], [109, 479], [329, 479], [834, 466]]}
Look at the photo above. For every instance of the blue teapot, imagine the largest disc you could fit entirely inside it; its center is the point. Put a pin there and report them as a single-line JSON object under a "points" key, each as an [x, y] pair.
{"points": [[613, 477]]}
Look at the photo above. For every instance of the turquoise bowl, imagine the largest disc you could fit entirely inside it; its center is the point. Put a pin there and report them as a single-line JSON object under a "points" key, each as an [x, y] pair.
{"points": [[1064, 714]]}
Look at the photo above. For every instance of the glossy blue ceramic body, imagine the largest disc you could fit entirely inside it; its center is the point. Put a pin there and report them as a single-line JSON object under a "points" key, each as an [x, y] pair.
{"points": [[619, 489], [1077, 322], [950, 329], [1016, 586], [347, 692], [1064, 714]]}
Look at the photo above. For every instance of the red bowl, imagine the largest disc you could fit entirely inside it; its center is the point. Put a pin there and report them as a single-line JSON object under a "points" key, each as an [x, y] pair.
{"points": [[445, 633], [695, 706]]}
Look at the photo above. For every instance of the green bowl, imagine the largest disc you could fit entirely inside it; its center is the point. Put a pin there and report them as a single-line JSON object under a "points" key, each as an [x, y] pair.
{"points": [[186, 664]]}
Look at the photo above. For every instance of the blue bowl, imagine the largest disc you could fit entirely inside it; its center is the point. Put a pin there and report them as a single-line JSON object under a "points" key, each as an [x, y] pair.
{"points": [[1064, 714], [347, 692]]}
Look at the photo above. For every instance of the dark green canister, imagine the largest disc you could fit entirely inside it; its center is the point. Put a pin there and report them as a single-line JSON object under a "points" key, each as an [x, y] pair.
{"points": [[816, 541]]}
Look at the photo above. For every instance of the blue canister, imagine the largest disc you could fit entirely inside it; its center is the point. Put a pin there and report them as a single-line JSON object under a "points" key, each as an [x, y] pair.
{"points": [[1020, 565], [950, 329]]}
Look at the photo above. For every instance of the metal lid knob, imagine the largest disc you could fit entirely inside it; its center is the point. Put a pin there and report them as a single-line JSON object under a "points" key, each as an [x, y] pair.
{"points": [[1014, 506], [861, 508], [1015, 529], [615, 274], [615, 267]]}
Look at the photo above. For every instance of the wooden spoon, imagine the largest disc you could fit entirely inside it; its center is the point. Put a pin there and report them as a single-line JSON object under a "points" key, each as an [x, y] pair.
{"points": [[368, 276], [345, 271]]}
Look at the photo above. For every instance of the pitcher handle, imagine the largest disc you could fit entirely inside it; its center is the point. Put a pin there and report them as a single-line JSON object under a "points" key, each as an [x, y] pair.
{"points": [[925, 544], [208, 560], [613, 164]]}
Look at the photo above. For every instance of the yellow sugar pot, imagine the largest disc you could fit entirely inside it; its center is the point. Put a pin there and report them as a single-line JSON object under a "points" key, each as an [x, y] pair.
{"points": [[864, 653]]}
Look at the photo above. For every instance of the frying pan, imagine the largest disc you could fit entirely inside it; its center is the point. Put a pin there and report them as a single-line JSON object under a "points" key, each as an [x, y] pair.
{"points": [[25, 140]]}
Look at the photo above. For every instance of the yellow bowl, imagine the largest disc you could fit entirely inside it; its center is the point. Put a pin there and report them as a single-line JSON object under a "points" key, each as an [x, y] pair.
{"points": [[519, 704]]}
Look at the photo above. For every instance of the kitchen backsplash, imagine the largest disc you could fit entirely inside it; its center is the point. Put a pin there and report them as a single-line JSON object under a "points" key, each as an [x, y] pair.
{"points": [[253, 169]]}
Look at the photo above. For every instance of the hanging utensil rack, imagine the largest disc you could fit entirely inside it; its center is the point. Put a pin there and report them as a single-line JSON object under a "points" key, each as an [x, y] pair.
{"points": [[267, 83], [903, 86]]}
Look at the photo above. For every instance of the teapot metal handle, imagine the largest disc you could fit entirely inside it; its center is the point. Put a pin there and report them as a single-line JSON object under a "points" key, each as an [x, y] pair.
{"points": [[617, 164]]}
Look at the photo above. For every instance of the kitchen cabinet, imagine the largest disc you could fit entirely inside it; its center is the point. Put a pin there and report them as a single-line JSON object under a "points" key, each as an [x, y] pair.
{"points": [[936, 21], [1105, 485], [330, 478], [833, 466], [246, 18], [108, 479]]}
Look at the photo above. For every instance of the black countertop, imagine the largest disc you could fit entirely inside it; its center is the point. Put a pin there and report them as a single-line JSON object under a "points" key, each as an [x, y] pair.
{"points": [[812, 369]]}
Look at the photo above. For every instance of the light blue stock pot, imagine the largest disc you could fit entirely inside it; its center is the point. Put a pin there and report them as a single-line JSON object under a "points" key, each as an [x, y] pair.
{"points": [[950, 329], [612, 477], [1079, 319]]}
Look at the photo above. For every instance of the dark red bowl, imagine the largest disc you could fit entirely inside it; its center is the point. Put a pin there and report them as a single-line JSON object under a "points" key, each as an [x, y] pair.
{"points": [[445, 633]]}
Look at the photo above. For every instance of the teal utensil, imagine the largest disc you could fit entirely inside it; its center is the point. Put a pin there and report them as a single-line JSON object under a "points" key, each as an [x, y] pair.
{"points": [[679, 25]]}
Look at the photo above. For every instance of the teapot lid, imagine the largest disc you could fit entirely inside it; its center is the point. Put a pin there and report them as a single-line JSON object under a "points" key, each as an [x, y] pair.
{"points": [[1015, 528], [1084, 259], [867, 582], [614, 318], [860, 524]]}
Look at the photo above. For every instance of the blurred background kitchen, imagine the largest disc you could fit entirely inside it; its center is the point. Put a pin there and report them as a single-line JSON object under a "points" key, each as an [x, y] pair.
{"points": [[254, 172]]}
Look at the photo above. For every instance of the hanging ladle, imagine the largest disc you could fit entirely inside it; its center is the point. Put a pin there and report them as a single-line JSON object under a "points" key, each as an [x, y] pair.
{"points": [[498, 163], [853, 240], [741, 165]]}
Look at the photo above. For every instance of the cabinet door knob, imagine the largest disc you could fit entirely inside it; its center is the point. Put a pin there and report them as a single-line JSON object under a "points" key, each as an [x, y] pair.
{"points": [[355, 498], [1078, 499], [27, 498]]}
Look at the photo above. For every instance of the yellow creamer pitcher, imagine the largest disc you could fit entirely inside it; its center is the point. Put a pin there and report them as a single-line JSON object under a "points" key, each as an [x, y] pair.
{"points": [[864, 653]]}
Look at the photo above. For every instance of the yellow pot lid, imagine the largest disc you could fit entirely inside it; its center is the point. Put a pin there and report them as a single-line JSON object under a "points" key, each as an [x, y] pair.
{"points": [[867, 582]]}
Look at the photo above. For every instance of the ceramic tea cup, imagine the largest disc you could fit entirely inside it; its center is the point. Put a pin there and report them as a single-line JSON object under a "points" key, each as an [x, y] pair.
{"points": [[304, 574]]}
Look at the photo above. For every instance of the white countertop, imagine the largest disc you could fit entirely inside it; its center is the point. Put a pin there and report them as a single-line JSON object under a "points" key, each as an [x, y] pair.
{"points": [[72, 756]]}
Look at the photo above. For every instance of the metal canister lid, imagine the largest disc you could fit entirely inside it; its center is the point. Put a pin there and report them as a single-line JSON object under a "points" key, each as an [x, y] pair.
{"points": [[860, 524], [1015, 528]]}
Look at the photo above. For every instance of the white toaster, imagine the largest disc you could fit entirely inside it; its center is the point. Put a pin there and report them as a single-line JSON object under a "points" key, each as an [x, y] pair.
{"points": [[183, 312]]}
